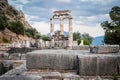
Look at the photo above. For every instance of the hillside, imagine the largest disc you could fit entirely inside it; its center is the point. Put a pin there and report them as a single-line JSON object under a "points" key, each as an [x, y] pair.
{"points": [[12, 14], [13, 24]]}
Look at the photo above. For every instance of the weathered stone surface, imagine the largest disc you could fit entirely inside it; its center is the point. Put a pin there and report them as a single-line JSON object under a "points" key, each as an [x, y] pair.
{"points": [[70, 76], [21, 78], [118, 67], [85, 47], [92, 65], [51, 59], [1, 68], [87, 65], [105, 49], [7, 66], [46, 75], [16, 71], [107, 65]]}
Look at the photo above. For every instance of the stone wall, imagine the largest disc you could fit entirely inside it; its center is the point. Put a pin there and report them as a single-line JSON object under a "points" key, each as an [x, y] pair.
{"points": [[84, 65]]}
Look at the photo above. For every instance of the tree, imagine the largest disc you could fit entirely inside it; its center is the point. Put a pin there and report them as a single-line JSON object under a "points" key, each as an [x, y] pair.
{"points": [[76, 35], [17, 27], [112, 29], [45, 38], [86, 42], [78, 41], [32, 32], [86, 36], [3, 22]]}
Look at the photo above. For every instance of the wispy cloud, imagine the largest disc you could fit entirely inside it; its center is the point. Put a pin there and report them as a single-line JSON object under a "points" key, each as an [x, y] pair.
{"points": [[98, 1], [65, 1]]}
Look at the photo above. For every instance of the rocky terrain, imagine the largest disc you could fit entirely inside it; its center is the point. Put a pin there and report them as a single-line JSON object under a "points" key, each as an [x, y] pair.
{"points": [[12, 14], [9, 14]]}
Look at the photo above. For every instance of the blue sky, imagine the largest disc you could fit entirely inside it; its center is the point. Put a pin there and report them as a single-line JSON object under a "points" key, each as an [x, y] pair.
{"points": [[87, 14]]}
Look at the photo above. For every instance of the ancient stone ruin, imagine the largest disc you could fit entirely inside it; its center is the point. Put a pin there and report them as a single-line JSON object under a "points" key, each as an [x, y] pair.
{"points": [[78, 63], [61, 15]]}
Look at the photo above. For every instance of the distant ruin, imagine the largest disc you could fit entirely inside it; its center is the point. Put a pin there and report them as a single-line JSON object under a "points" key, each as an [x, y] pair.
{"points": [[61, 15]]}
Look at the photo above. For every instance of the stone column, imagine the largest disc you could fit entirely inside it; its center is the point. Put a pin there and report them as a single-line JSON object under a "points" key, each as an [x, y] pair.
{"points": [[70, 32], [61, 26], [51, 27]]}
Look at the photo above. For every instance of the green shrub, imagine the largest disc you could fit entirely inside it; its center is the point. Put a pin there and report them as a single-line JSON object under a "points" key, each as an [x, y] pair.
{"points": [[32, 32], [17, 27], [5, 40], [3, 22], [115, 76], [86, 42], [78, 41]]}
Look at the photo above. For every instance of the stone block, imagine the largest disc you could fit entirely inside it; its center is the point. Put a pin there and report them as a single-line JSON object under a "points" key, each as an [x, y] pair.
{"points": [[106, 65], [87, 65], [46, 75], [93, 65], [21, 77], [85, 47], [51, 59], [70, 76], [105, 49]]}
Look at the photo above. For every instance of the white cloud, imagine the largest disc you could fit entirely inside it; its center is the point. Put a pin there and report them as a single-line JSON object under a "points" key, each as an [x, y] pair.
{"points": [[92, 20], [19, 7], [98, 1], [24, 1], [66, 1], [30, 18], [41, 27], [53, 9]]}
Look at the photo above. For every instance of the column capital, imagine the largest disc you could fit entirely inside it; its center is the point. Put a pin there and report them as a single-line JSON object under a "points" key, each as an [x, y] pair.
{"points": [[70, 18]]}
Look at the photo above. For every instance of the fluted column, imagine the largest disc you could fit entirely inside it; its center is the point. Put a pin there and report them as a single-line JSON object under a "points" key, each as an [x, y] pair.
{"points": [[70, 32], [51, 27], [61, 26]]}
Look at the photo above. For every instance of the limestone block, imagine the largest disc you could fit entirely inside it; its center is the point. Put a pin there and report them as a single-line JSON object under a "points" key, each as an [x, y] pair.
{"points": [[85, 47], [107, 65], [46, 75], [93, 65], [105, 49], [21, 78], [70, 76], [48, 59], [87, 65]]}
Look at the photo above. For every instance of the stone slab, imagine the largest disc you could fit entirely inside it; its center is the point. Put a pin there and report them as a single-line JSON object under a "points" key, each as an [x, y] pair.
{"points": [[107, 65], [46, 75], [21, 78], [87, 65], [70, 76], [93, 65], [85, 47], [105, 49], [51, 59]]}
